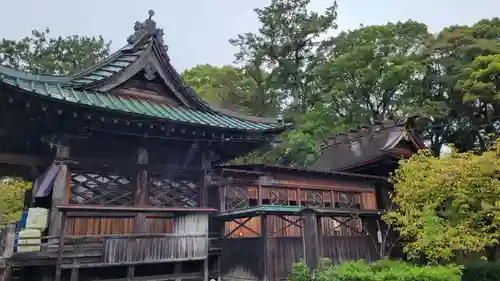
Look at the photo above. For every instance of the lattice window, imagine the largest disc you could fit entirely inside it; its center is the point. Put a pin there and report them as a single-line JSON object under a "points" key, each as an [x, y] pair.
{"points": [[314, 198], [173, 193], [94, 189], [348, 200], [277, 196], [237, 197]]}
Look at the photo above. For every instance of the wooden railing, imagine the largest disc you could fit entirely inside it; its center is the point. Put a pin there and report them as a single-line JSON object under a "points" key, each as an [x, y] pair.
{"points": [[126, 249]]}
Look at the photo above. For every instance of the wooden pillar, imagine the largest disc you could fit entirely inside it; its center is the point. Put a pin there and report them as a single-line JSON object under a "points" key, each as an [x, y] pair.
{"points": [[10, 233], [310, 238], [263, 236], [141, 196], [60, 249], [319, 221], [74, 270], [59, 192], [207, 179], [205, 269], [259, 194], [223, 194]]}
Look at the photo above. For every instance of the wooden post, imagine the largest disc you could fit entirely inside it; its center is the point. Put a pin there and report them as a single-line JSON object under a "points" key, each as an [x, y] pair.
{"points": [[74, 270], [207, 179], [141, 196], [178, 271], [59, 190], [319, 221], [205, 269], [130, 272], [10, 234], [223, 197], [310, 238], [263, 236], [60, 249], [259, 194]]}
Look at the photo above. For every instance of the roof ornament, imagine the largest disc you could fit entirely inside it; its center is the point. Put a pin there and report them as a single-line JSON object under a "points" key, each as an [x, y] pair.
{"points": [[147, 29]]}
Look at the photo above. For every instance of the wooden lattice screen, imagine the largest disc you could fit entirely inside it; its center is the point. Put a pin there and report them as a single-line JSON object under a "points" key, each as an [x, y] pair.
{"points": [[173, 193], [107, 189], [99, 189]]}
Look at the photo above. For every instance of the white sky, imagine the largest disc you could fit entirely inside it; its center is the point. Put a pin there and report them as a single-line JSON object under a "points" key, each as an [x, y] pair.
{"points": [[197, 30]]}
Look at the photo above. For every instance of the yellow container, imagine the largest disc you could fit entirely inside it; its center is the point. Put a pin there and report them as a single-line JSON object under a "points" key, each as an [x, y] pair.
{"points": [[37, 218], [35, 238]]}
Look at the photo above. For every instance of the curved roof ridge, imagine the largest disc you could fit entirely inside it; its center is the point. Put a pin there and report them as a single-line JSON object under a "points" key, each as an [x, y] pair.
{"points": [[98, 65], [50, 78], [210, 107]]}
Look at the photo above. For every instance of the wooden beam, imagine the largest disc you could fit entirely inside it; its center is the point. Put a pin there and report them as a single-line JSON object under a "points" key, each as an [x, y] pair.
{"points": [[310, 238], [141, 196], [22, 160]]}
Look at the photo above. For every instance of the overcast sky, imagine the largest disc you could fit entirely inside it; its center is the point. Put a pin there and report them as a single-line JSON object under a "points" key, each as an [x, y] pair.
{"points": [[197, 30]]}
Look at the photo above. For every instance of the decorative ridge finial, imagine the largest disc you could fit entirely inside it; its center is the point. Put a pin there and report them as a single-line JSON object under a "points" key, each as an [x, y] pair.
{"points": [[147, 29]]}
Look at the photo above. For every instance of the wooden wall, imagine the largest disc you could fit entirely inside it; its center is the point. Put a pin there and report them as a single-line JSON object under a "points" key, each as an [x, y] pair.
{"points": [[113, 225], [252, 258], [295, 190], [280, 226]]}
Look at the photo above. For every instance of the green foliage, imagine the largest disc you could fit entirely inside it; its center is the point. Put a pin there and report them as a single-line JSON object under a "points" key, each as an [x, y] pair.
{"points": [[230, 88], [384, 270], [481, 79], [300, 272], [285, 45], [483, 271], [40, 53], [11, 201], [376, 73], [447, 204]]}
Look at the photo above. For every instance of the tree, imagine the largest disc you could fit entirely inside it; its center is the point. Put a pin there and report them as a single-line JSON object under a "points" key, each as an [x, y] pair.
{"points": [[447, 56], [448, 204], [40, 53], [480, 87], [228, 87], [285, 45], [11, 201], [376, 73]]}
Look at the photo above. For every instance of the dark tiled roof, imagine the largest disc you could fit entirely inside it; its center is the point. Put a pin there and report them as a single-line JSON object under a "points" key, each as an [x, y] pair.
{"points": [[361, 146]]}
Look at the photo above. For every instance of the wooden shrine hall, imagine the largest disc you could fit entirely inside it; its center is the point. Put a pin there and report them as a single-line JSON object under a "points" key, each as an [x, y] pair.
{"points": [[271, 216], [120, 156]]}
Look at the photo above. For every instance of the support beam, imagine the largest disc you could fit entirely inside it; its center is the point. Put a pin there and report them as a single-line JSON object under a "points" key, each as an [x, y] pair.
{"points": [[141, 196], [263, 236], [310, 238], [59, 189], [60, 248], [22, 160], [207, 178]]}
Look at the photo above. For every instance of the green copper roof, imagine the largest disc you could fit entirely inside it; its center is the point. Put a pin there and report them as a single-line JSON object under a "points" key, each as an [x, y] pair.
{"points": [[144, 58], [294, 210], [131, 105]]}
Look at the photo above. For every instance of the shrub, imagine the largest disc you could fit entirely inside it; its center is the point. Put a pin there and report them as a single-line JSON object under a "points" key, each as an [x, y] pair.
{"points": [[300, 272], [381, 271], [482, 271], [11, 199]]}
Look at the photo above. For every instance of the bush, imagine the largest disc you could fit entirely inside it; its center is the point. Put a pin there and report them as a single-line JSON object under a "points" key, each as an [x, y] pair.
{"points": [[482, 271], [381, 271], [11, 199]]}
